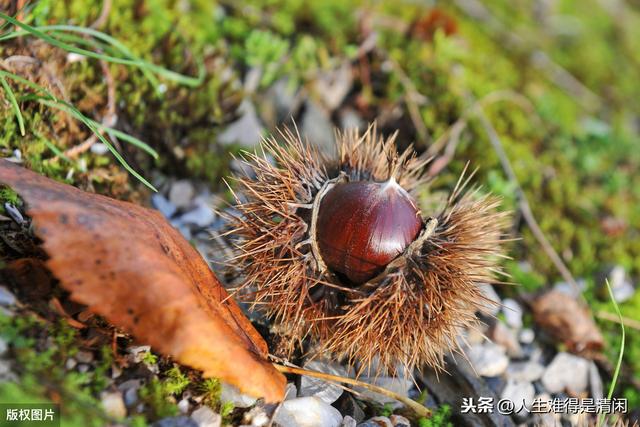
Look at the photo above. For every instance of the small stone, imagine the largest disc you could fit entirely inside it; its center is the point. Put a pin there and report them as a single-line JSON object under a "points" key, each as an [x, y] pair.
{"points": [[205, 417], [333, 86], [568, 289], [130, 397], [201, 216], [496, 384], [256, 417], [488, 360], [5, 368], [246, 131], [525, 371], [307, 412], [492, 305], [347, 421], [7, 299], [14, 213], [519, 392], [595, 382], [317, 127], [350, 407], [138, 353], [399, 421], [512, 313], [621, 286], [181, 193], [526, 336], [230, 394], [505, 337], [70, 363], [398, 385], [84, 356], [566, 372], [181, 421], [291, 391], [350, 119], [166, 208], [99, 148], [3, 347], [83, 368], [377, 422], [323, 390], [113, 404]]}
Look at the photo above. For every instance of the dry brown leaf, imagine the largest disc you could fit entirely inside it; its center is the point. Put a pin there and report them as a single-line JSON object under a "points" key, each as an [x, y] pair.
{"points": [[567, 321], [126, 263]]}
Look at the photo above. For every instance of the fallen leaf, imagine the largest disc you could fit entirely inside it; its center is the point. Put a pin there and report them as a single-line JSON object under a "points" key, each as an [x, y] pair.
{"points": [[567, 321], [127, 264]]}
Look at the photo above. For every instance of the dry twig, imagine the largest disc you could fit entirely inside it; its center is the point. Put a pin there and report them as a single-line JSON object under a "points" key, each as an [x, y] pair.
{"points": [[418, 408]]}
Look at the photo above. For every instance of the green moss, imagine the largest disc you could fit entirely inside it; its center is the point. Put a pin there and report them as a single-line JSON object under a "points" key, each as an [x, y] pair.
{"points": [[440, 418], [42, 371]]}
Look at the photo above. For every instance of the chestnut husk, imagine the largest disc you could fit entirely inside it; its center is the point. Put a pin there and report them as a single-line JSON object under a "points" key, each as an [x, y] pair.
{"points": [[373, 307]]}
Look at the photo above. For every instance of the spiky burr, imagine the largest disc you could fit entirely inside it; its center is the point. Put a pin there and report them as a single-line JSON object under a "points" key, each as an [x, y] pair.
{"points": [[338, 249]]}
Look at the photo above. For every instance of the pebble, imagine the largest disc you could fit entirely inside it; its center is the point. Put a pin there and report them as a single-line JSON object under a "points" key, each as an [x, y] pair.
{"points": [[13, 212], [490, 294], [201, 216], [526, 336], [621, 286], [307, 412], [6, 297], [519, 392], [379, 421], [5, 368], [496, 384], [84, 357], [290, 392], [3, 347], [347, 421], [138, 352], [326, 391], [350, 119], [566, 372], [500, 334], [231, 394], [181, 421], [525, 371], [181, 193], [570, 290], [595, 382], [205, 417], [333, 86], [246, 131], [348, 406], [397, 385], [256, 417], [399, 421], [166, 208], [317, 127], [70, 363], [99, 148], [512, 313], [488, 360], [130, 397], [113, 404]]}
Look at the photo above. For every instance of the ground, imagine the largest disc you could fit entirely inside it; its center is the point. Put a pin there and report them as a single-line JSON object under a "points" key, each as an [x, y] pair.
{"points": [[556, 80]]}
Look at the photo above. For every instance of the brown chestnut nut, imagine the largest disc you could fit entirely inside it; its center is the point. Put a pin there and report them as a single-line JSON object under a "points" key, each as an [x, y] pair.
{"points": [[362, 226]]}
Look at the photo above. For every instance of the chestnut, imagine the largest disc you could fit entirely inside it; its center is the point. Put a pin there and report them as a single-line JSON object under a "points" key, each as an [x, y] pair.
{"points": [[362, 226], [339, 250]]}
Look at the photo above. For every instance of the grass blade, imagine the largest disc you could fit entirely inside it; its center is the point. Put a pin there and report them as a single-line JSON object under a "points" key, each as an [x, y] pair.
{"points": [[138, 63], [14, 103], [616, 372]]}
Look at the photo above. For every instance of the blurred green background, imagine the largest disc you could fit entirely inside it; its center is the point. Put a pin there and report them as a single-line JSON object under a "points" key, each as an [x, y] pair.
{"points": [[557, 79]]}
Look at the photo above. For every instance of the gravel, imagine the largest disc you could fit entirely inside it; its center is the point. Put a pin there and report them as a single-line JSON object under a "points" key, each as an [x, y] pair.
{"points": [[566, 372], [488, 360]]}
